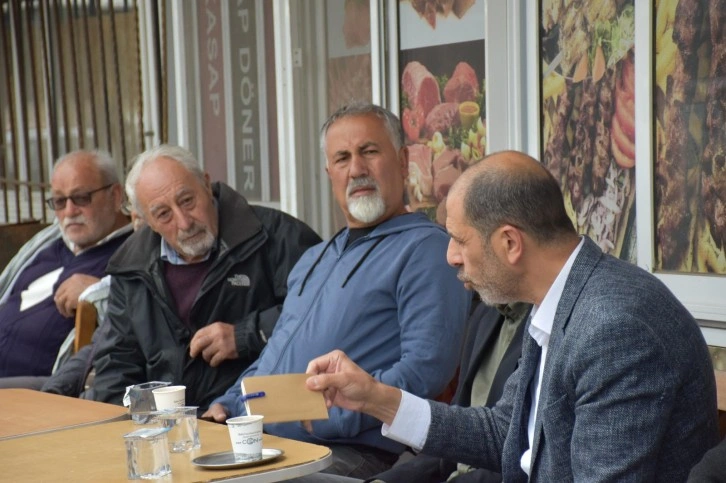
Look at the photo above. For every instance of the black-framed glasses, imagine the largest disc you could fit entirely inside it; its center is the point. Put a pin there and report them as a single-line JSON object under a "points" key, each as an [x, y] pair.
{"points": [[78, 199]]}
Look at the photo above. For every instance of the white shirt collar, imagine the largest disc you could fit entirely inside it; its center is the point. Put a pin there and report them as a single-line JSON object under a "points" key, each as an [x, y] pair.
{"points": [[543, 316]]}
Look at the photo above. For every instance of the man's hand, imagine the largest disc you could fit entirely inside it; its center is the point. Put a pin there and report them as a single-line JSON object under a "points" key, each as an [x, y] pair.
{"points": [[215, 343], [66, 297], [346, 385], [215, 413]]}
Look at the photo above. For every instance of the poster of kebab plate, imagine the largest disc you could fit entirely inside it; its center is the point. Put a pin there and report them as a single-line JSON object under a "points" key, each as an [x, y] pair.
{"points": [[443, 96], [690, 135], [588, 117]]}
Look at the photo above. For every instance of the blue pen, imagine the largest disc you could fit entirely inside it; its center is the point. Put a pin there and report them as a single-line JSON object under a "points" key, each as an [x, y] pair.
{"points": [[252, 395]]}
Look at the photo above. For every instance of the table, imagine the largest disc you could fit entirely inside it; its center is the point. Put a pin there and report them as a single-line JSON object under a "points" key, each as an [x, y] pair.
{"points": [[24, 412], [97, 453]]}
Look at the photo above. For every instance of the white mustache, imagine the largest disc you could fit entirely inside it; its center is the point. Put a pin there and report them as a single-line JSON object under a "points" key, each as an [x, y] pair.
{"points": [[366, 182], [80, 220], [184, 235]]}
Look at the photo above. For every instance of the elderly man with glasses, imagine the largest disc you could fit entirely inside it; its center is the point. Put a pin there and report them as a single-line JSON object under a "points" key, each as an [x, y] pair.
{"points": [[39, 288]]}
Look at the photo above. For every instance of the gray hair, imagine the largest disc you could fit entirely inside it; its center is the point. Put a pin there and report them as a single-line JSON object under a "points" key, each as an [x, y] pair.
{"points": [[177, 153], [104, 163], [530, 200], [390, 121]]}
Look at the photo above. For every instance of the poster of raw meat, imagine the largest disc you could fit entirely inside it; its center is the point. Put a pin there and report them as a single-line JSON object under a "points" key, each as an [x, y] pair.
{"points": [[588, 118], [349, 57], [690, 136], [443, 96]]}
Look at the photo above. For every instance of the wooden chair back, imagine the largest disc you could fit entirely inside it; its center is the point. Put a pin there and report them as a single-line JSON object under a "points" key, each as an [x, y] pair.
{"points": [[86, 323], [721, 397], [14, 236]]}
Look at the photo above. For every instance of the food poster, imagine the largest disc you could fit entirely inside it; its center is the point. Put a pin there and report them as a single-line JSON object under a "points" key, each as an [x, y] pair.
{"points": [[588, 117], [443, 96], [349, 52], [690, 135]]}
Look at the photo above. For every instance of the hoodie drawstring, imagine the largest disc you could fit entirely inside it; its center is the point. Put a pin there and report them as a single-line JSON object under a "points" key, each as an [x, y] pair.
{"points": [[352, 272]]}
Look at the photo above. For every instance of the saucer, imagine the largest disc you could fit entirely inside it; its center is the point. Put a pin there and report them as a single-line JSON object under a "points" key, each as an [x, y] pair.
{"points": [[226, 460]]}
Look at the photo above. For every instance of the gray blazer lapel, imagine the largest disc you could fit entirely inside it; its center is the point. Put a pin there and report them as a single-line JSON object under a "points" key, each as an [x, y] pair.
{"points": [[582, 268], [517, 441]]}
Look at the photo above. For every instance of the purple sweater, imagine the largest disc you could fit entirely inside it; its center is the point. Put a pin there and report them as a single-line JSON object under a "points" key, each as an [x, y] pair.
{"points": [[29, 340]]}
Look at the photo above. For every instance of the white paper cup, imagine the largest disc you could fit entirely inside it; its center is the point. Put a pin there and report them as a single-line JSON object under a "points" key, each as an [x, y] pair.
{"points": [[245, 432], [169, 397]]}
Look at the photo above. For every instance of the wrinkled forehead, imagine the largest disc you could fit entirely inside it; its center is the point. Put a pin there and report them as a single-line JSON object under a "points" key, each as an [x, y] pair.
{"points": [[356, 129], [75, 175], [164, 180]]}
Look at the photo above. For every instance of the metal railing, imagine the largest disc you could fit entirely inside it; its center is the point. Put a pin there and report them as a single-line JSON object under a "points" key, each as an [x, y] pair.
{"points": [[70, 78]]}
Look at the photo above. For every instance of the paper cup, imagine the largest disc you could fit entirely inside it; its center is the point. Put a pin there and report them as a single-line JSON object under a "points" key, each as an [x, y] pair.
{"points": [[169, 397], [245, 432]]}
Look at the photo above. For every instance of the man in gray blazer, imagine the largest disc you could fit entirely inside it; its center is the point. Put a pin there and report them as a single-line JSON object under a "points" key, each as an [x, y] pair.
{"points": [[615, 382]]}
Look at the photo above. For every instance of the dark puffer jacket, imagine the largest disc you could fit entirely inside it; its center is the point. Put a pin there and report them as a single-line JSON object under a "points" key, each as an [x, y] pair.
{"points": [[144, 338]]}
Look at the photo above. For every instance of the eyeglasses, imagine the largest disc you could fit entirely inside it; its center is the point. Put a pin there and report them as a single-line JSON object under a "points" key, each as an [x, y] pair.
{"points": [[79, 199]]}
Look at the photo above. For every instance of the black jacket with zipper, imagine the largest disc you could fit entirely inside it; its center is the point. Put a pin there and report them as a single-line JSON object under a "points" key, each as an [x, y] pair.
{"points": [[145, 340]]}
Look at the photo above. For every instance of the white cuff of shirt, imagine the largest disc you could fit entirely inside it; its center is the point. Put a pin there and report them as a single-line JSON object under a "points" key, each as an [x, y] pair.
{"points": [[411, 424]]}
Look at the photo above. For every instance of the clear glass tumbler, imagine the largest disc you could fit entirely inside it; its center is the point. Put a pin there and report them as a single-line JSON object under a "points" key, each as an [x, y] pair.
{"points": [[183, 428], [147, 453]]}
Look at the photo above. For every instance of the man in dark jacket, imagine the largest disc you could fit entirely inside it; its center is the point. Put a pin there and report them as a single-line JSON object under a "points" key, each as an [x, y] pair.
{"points": [[194, 294], [492, 347]]}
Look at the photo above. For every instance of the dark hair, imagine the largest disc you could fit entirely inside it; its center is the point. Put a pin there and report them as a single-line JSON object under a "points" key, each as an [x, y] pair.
{"points": [[390, 121], [529, 199]]}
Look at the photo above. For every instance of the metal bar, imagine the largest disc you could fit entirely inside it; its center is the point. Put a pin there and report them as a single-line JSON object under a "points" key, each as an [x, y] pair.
{"points": [[163, 66], [89, 59], [185, 125], [158, 39], [109, 144], [114, 45], [62, 71], [6, 56], [20, 58], [76, 82], [140, 106], [50, 109], [36, 96], [11, 103]]}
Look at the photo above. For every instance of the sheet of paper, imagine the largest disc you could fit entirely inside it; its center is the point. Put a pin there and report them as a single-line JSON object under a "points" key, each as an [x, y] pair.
{"points": [[39, 290], [286, 398]]}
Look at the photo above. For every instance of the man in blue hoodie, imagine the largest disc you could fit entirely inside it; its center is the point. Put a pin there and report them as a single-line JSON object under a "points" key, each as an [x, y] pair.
{"points": [[380, 289]]}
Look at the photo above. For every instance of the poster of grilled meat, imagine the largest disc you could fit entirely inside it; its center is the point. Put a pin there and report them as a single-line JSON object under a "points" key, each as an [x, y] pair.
{"points": [[588, 117], [430, 10], [443, 102], [690, 135]]}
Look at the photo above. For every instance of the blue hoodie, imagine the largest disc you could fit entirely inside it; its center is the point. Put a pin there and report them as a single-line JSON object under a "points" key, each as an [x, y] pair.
{"points": [[389, 301]]}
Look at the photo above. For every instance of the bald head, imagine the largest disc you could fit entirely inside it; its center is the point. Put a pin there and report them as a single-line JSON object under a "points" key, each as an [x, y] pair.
{"points": [[513, 188]]}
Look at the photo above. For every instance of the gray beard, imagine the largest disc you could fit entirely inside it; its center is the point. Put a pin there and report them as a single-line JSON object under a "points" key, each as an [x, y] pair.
{"points": [[195, 249], [367, 209]]}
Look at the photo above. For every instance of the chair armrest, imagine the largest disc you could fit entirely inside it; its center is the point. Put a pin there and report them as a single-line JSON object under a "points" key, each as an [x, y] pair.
{"points": [[86, 323]]}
